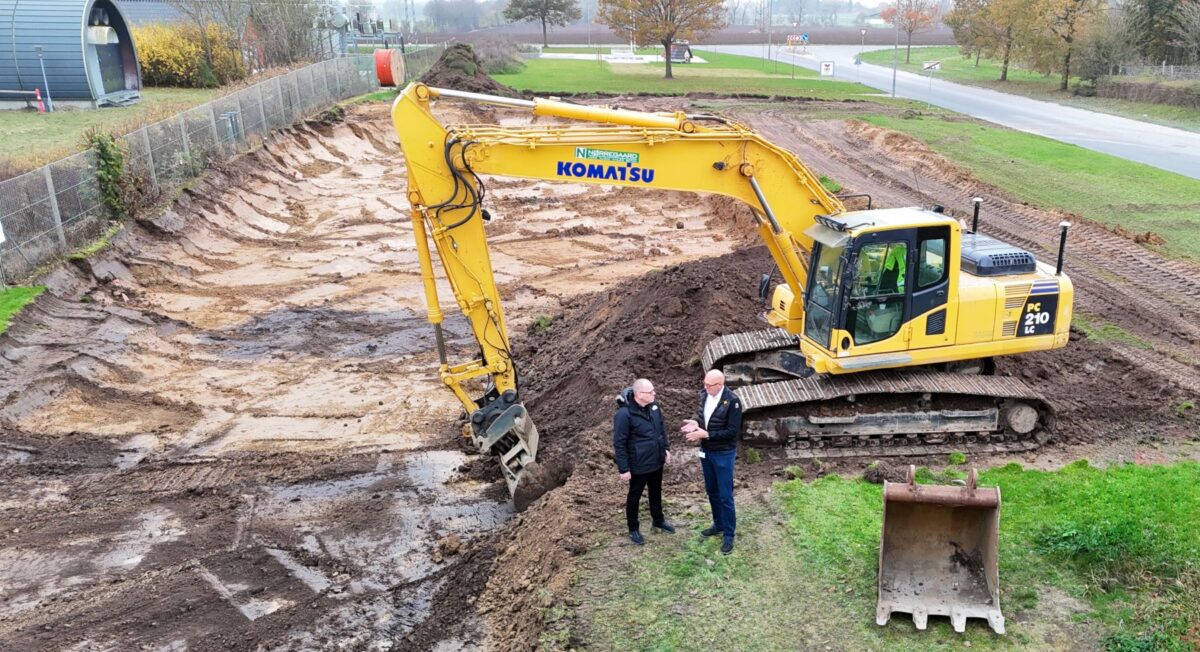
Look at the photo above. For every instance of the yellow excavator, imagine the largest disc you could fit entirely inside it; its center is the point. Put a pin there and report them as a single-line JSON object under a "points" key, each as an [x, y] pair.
{"points": [[882, 332]]}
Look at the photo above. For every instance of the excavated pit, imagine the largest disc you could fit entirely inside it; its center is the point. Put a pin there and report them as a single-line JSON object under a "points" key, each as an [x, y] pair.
{"points": [[227, 430]]}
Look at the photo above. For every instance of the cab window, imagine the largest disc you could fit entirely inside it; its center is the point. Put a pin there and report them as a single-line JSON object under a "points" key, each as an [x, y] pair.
{"points": [[931, 262]]}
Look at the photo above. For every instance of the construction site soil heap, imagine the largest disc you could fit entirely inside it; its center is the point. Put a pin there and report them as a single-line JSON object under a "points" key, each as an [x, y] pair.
{"points": [[459, 68]]}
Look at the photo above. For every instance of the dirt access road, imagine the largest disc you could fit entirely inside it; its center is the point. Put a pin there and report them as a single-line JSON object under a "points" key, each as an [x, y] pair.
{"points": [[226, 431]]}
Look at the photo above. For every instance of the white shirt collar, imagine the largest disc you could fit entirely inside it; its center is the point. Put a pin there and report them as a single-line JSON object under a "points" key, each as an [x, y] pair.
{"points": [[710, 405]]}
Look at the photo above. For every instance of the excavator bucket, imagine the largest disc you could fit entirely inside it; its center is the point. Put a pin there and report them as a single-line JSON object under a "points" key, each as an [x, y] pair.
{"points": [[939, 555], [513, 437]]}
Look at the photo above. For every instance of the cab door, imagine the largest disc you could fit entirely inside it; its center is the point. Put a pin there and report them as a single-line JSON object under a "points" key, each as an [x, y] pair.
{"points": [[929, 309], [877, 305]]}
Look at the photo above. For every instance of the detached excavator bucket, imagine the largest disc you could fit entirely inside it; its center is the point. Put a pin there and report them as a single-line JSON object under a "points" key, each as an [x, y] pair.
{"points": [[513, 437], [939, 554]]}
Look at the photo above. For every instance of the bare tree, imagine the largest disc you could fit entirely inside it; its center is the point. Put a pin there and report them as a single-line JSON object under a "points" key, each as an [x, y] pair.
{"points": [[1186, 28]]}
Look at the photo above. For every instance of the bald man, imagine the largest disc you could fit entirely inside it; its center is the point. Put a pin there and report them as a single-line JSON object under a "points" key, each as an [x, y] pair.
{"points": [[641, 449], [717, 426]]}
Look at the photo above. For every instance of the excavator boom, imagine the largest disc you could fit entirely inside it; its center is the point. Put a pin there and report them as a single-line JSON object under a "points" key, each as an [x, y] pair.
{"points": [[613, 147]]}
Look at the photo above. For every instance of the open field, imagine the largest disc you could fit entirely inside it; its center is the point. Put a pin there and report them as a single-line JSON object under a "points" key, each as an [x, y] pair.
{"points": [[960, 69], [225, 429]]}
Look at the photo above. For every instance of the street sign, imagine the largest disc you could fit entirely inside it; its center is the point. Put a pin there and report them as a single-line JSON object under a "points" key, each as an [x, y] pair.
{"points": [[857, 60], [804, 37], [932, 65], [826, 68]]}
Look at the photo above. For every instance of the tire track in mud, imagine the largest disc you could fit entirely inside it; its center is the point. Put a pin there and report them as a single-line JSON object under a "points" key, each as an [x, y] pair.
{"points": [[1155, 298]]}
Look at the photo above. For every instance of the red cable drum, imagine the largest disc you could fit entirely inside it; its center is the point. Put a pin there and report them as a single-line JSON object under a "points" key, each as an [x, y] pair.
{"points": [[389, 67]]}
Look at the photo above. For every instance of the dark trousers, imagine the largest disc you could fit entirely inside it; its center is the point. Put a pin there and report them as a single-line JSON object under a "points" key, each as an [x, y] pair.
{"points": [[718, 484], [637, 482]]}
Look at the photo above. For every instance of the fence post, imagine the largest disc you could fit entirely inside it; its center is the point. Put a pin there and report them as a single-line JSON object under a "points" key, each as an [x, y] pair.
{"points": [[149, 158], [187, 149], [337, 77], [58, 227], [279, 94], [262, 112], [212, 122]]}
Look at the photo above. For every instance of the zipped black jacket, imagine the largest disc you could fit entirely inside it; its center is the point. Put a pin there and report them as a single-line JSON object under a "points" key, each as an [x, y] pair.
{"points": [[639, 438]]}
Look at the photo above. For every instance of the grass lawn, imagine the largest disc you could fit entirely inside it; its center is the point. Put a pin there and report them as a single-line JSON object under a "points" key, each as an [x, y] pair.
{"points": [[960, 69], [724, 74], [1051, 174], [1089, 559], [29, 139], [13, 299]]}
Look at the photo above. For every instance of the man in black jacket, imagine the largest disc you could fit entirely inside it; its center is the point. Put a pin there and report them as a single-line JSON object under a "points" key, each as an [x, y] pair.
{"points": [[720, 413], [641, 447]]}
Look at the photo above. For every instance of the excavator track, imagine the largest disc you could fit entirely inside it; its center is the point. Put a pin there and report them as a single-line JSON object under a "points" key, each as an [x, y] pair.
{"points": [[884, 413]]}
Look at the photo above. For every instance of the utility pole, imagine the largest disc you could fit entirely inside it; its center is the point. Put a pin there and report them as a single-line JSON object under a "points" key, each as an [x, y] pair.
{"points": [[896, 48]]}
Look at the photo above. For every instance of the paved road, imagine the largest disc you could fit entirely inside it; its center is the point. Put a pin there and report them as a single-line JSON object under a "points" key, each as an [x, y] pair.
{"points": [[1162, 147]]}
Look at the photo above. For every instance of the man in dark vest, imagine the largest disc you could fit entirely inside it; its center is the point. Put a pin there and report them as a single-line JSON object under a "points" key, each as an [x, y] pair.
{"points": [[641, 448], [717, 426]]}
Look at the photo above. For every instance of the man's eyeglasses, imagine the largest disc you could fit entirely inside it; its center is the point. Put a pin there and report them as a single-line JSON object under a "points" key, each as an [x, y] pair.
{"points": [[647, 391], [713, 384]]}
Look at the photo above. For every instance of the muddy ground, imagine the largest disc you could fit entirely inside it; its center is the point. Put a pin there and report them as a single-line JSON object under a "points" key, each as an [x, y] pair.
{"points": [[227, 432]]}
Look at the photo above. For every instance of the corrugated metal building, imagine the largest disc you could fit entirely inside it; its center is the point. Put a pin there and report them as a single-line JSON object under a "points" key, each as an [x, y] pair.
{"points": [[88, 52]]}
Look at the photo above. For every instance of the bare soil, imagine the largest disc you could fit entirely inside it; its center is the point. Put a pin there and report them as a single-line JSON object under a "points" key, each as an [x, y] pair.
{"points": [[227, 431]]}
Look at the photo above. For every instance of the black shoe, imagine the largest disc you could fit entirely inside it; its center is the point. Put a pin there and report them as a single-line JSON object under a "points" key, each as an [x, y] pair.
{"points": [[708, 532], [726, 546], [665, 527], [636, 537]]}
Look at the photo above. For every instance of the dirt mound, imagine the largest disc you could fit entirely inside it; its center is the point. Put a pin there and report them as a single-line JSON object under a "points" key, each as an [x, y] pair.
{"points": [[459, 68], [654, 326]]}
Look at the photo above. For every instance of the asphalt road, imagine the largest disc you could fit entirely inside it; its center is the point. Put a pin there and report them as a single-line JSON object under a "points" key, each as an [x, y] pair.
{"points": [[1162, 147]]}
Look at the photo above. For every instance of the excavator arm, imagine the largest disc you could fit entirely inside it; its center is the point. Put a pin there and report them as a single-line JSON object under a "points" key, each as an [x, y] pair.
{"points": [[596, 145]]}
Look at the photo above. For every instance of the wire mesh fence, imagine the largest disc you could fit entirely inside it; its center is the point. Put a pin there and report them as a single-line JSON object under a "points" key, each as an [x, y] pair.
{"points": [[59, 208], [1162, 71]]}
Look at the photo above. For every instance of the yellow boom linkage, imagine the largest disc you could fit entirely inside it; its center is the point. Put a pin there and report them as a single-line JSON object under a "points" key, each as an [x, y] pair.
{"points": [[890, 289], [623, 148]]}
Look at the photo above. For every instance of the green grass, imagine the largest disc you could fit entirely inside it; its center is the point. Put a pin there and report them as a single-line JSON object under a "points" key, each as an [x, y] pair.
{"points": [[1050, 174], [97, 245], [960, 69], [595, 49], [724, 74], [1105, 331], [1089, 558], [29, 139], [13, 299]]}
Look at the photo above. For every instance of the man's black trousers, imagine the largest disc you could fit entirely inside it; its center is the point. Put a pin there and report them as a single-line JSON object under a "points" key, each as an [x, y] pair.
{"points": [[637, 482]]}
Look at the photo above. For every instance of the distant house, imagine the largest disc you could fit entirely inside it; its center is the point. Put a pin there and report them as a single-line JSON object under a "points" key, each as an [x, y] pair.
{"points": [[85, 47]]}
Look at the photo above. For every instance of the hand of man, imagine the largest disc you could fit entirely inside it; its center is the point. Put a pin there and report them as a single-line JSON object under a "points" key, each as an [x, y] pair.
{"points": [[668, 457], [626, 476], [689, 426], [696, 435]]}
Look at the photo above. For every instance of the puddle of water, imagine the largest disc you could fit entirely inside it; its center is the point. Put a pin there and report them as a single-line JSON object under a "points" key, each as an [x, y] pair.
{"points": [[157, 526]]}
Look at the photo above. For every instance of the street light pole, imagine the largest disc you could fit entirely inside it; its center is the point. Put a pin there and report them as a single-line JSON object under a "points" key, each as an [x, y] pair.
{"points": [[795, 27]]}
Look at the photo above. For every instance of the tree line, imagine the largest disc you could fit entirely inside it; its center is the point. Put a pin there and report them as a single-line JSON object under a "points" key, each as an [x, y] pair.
{"points": [[1084, 38]]}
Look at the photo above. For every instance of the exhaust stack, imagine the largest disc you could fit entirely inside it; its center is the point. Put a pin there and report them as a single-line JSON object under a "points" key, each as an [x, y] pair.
{"points": [[975, 219], [1062, 246]]}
